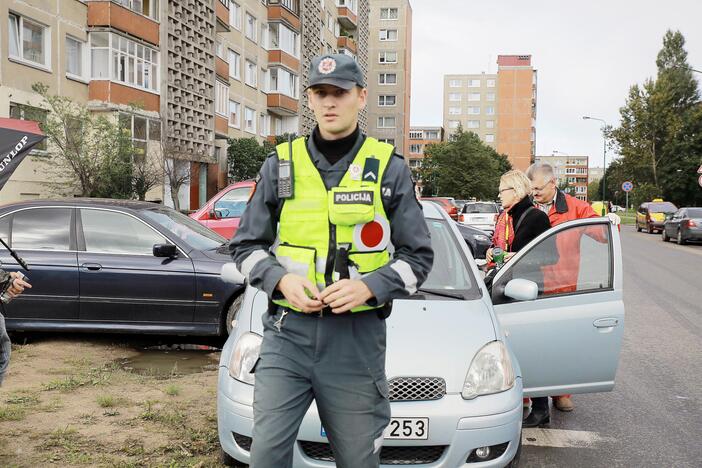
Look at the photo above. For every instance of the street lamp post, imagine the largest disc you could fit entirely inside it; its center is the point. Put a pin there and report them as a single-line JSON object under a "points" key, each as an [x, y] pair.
{"points": [[604, 151]]}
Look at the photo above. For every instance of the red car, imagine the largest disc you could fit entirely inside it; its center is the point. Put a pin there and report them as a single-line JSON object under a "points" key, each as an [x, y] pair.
{"points": [[447, 204], [221, 213]]}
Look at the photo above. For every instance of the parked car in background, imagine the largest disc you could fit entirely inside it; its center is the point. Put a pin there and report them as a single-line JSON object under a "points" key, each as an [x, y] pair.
{"points": [[650, 216], [461, 354], [478, 241], [459, 204], [684, 225], [482, 215], [116, 266], [616, 208], [447, 203], [222, 212]]}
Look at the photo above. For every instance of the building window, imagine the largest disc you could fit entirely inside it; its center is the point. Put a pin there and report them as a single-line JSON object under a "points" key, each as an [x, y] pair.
{"points": [[473, 110], [386, 122], [350, 4], [141, 129], [473, 124], [489, 124], [474, 96], [489, 138], [474, 83], [455, 97], [387, 78], [416, 135], [249, 120], [75, 58], [455, 83], [123, 61], [234, 65], [454, 123], [251, 78], [283, 38], [414, 148], [234, 116], [454, 111], [386, 100], [490, 110], [388, 13], [490, 83], [330, 21], [221, 96], [250, 27], [265, 124], [389, 141], [282, 81], [490, 96], [387, 57], [432, 135], [388, 35], [143, 7], [25, 112], [29, 41], [235, 15]]}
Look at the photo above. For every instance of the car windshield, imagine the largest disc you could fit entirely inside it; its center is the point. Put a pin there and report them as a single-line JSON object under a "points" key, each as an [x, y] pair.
{"points": [[233, 203], [192, 232], [694, 212], [450, 272], [663, 207], [480, 208]]}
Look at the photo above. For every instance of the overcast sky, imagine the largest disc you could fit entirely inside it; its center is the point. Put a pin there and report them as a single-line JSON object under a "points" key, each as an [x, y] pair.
{"points": [[587, 54]]}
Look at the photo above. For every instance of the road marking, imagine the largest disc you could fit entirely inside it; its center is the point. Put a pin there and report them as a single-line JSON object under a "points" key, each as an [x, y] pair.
{"points": [[561, 438]]}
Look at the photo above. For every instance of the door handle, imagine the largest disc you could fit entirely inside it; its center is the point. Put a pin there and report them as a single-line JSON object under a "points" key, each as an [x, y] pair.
{"points": [[606, 323], [92, 266]]}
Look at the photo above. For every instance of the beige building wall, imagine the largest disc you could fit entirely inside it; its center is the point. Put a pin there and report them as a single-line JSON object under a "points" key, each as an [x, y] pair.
{"points": [[471, 102], [389, 75]]}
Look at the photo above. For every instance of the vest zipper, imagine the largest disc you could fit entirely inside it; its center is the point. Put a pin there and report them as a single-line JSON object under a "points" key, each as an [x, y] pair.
{"points": [[331, 254]]}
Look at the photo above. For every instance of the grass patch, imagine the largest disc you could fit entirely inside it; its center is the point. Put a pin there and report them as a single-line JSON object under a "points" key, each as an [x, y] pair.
{"points": [[106, 401], [172, 390], [169, 418], [70, 447], [12, 413], [91, 377], [23, 397]]}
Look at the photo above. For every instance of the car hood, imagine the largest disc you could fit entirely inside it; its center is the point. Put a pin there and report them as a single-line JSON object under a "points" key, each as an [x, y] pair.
{"points": [[431, 338], [220, 254]]}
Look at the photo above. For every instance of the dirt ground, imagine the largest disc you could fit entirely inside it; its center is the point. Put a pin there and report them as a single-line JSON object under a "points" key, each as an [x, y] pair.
{"points": [[71, 402]]}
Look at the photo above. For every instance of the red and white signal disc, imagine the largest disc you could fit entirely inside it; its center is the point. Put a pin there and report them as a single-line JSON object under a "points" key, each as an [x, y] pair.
{"points": [[371, 236]]}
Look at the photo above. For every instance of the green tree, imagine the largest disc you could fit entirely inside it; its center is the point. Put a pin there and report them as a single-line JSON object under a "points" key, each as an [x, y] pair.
{"points": [[462, 168], [593, 190], [245, 156]]}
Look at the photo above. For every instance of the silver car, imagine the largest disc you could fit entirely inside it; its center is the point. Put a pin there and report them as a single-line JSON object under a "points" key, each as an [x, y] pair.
{"points": [[481, 215], [462, 351]]}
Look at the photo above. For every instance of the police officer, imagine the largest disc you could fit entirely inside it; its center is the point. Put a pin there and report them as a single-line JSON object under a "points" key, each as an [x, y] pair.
{"points": [[317, 237], [13, 284]]}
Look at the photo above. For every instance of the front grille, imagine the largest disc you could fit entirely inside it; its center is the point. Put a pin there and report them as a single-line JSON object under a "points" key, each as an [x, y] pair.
{"points": [[418, 455], [242, 441], [417, 388]]}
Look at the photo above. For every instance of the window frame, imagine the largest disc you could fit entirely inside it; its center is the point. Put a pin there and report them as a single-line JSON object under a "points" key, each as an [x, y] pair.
{"points": [[384, 101], [72, 243], [385, 75], [20, 56]]}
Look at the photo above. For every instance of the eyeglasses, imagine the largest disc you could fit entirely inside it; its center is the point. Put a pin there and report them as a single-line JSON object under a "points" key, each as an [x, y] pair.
{"points": [[539, 189], [505, 189]]}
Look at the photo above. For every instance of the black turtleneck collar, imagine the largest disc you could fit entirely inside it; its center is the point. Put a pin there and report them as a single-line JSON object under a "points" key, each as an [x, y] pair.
{"points": [[517, 210], [334, 150]]}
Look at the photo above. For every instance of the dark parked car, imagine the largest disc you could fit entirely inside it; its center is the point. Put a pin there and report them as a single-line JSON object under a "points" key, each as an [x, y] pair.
{"points": [[478, 241], [684, 225], [116, 266]]}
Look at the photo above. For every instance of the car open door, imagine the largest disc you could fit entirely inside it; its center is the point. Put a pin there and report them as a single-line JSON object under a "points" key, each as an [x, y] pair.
{"points": [[566, 334]]}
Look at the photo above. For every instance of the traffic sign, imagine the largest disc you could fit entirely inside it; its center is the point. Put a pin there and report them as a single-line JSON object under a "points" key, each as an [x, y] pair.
{"points": [[627, 186]]}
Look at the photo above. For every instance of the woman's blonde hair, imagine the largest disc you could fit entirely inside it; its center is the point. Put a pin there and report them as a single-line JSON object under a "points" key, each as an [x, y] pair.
{"points": [[518, 181]]}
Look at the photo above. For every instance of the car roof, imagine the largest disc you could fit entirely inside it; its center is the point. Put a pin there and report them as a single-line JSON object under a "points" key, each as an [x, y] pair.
{"points": [[432, 210], [102, 202]]}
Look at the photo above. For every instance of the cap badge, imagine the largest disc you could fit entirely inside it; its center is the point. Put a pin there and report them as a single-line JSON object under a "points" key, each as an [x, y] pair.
{"points": [[326, 66]]}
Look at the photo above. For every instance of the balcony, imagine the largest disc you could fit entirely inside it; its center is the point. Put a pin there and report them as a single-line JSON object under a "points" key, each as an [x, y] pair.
{"points": [[282, 104], [279, 57], [347, 18], [286, 11], [107, 91], [222, 13], [221, 127], [345, 42], [109, 14], [222, 69]]}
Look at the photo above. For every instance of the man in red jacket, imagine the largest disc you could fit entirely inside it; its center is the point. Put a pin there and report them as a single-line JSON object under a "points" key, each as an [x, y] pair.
{"points": [[561, 277]]}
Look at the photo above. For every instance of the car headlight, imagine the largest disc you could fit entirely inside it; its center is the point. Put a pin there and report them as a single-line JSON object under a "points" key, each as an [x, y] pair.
{"points": [[244, 357], [481, 238], [490, 372]]}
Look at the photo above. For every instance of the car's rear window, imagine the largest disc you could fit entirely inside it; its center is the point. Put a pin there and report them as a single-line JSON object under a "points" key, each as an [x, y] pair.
{"points": [[479, 208], [662, 207]]}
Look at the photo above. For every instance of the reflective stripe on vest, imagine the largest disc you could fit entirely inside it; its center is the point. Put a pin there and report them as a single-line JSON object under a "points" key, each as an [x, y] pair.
{"points": [[350, 215]]}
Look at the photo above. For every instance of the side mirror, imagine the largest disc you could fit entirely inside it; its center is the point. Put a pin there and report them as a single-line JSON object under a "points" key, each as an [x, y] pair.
{"points": [[521, 290], [214, 214], [164, 250]]}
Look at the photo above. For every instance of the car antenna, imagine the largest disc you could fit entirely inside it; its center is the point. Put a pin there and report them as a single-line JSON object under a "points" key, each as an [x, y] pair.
{"points": [[22, 263]]}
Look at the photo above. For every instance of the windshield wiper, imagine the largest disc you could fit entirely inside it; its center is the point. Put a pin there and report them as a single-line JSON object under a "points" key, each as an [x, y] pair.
{"points": [[443, 293]]}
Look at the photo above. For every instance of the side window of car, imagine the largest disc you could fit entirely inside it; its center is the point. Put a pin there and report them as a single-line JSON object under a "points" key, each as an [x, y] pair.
{"points": [[42, 229], [5, 228], [574, 260], [233, 203], [118, 233]]}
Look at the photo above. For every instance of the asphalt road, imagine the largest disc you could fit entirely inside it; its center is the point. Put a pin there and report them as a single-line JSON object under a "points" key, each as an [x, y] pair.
{"points": [[653, 418]]}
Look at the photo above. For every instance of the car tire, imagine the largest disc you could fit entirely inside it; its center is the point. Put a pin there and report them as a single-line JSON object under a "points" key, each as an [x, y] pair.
{"points": [[515, 461], [680, 240], [638, 229], [228, 460], [232, 311], [664, 235]]}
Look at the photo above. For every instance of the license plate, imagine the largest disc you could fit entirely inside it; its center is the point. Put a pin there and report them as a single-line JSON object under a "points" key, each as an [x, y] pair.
{"points": [[407, 429]]}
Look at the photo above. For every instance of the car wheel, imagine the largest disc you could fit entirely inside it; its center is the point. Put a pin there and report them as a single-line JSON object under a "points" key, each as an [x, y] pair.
{"points": [[515, 461], [665, 235], [680, 239], [232, 311], [638, 229], [228, 460]]}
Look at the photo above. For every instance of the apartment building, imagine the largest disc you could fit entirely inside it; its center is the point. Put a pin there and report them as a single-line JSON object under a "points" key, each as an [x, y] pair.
{"points": [[571, 172], [419, 138], [198, 71], [594, 174], [389, 75], [498, 107]]}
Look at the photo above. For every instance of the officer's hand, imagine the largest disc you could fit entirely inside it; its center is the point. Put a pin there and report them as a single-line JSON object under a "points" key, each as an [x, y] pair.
{"points": [[346, 294], [488, 255], [18, 285], [295, 287]]}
